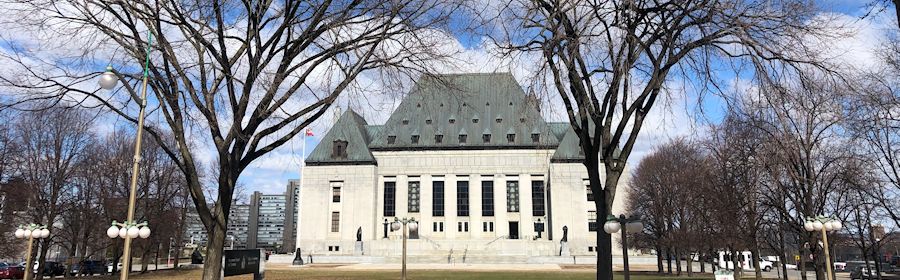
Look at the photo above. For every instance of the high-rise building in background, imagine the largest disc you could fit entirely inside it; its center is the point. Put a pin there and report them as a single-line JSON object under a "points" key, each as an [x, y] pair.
{"points": [[290, 228], [235, 237], [266, 222]]}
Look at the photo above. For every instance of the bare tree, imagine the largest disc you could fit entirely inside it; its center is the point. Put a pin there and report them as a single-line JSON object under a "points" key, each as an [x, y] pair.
{"points": [[244, 77], [805, 152], [609, 62], [51, 144], [674, 223]]}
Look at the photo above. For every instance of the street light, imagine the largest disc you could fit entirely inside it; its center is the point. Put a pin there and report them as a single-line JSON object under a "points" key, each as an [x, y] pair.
{"points": [[31, 231], [412, 225], [632, 224], [109, 80], [823, 224]]}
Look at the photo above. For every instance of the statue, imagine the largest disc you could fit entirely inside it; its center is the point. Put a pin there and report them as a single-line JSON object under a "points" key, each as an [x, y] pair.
{"points": [[298, 258], [565, 234], [196, 258], [359, 234]]}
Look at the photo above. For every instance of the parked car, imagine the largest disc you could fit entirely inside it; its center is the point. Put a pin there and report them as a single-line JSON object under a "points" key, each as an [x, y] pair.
{"points": [[109, 268], [11, 271], [859, 273], [54, 269], [88, 267]]}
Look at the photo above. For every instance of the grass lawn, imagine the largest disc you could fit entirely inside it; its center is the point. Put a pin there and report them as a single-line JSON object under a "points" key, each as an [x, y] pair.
{"points": [[331, 273]]}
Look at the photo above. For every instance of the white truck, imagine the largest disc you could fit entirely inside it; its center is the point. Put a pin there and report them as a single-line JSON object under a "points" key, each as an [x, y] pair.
{"points": [[726, 260]]}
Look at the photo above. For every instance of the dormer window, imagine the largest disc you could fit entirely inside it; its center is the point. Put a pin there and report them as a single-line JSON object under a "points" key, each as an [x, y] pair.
{"points": [[392, 139], [499, 120], [414, 139], [339, 149], [405, 122], [428, 121], [535, 137], [452, 121], [463, 138], [511, 138], [438, 139], [522, 120], [486, 138], [475, 120]]}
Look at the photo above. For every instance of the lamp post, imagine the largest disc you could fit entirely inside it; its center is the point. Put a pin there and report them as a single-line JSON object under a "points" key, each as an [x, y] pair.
{"points": [[407, 224], [31, 231], [631, 224], [109, 80], [127, 231], [823, 224]]}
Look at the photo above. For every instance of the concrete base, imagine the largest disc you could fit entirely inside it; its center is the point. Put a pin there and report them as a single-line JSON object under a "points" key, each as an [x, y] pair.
{"points": [[564, 249], [358, 248]]}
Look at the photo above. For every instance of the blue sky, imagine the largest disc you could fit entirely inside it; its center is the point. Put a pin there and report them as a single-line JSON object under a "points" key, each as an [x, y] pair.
{"points": [[271, 174]]}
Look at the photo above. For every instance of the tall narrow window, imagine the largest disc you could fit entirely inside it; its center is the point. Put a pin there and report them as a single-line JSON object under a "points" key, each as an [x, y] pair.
{"points": [[437, 199], [462, 198], [463, 138], [335, 221], [339, 149], [390, 189], [511, 138], [537, 199], [512, 196], [535, 137], [487, 198], [486, 138], [413, 197], [335, 194], [592, 220], [438, 139], [590, 193], [414, 139], [391, 139]]}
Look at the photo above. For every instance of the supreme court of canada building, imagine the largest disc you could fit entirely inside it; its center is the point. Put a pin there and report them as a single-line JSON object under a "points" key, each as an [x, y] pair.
{"points": [[472, 160]]}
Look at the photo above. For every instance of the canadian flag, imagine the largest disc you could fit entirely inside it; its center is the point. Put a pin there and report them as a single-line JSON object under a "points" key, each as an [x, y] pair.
{"points": [[309, 132]]}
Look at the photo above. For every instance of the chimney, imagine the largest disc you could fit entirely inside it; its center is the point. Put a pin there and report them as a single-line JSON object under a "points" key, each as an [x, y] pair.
{"points": [[337, 114]]}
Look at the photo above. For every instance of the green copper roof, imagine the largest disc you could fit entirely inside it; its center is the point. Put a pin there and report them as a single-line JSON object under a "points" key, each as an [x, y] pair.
{"points": [[439, 110], [350, 127], [486, 111]]}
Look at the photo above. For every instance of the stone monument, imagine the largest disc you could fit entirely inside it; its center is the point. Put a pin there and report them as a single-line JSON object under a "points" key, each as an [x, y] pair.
{"points": [[564, 243], [358, 249]]}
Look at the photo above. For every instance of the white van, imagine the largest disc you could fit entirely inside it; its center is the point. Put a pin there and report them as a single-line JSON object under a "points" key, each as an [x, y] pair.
{"points": [[726, 260]]}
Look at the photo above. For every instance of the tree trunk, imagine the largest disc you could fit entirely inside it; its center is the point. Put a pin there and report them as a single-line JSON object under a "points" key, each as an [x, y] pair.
{"points": [[601, 197], [678, 261], [69, 257], [42, 259], [690, 264], [784, 256], [212, 264], [755, 255], [669, 260], [701, 258], [659, 259]]}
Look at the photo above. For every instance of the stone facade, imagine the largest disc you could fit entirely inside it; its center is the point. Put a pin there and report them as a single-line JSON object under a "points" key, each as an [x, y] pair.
{"points": [[507, 191]]}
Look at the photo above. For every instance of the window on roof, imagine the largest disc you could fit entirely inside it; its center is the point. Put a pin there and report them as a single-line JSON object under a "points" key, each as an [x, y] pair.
{"points": [[392, 139], [463, 138], [535, 137], [511, 138], [428, 121], [486, 138], [499, 120], [339, 149], [452, 121], [522, 120], [405, 122], [414, 139], [438, 139], [475, 120]]}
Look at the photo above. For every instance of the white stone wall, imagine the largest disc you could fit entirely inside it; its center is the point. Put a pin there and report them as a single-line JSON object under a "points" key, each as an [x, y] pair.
{"points": [[356, 207], [363, 192]]}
